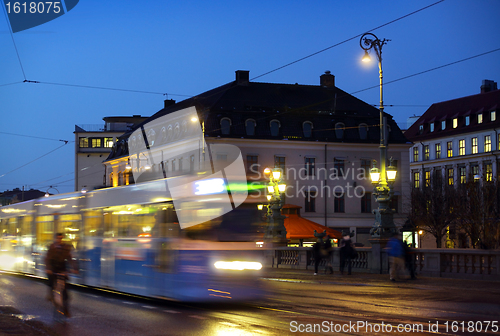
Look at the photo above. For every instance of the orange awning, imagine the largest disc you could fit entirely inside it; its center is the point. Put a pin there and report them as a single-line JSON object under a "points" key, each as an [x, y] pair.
{"points": [[302, 228]]}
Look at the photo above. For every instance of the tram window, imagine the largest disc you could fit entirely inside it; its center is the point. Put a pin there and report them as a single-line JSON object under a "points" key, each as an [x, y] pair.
{"points": [[25, 226], [44, 230], [92, 223], [108, 224], [69, 225], [11, 227]]}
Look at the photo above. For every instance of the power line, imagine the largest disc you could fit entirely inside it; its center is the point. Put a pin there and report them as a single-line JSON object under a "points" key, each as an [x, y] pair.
{"points": [[10, 84], [24, 165], [35, 137], [349, 39]]}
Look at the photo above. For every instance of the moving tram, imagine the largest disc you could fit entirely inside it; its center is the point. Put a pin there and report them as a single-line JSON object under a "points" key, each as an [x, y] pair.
{"points": [[129, 239]]}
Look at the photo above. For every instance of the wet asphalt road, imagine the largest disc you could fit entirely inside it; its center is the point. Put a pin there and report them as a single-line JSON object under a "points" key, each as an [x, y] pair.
{"points": [[297, 303]]}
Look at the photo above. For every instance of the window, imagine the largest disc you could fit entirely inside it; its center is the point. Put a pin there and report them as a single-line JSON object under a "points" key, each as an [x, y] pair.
{"points": [[225, 126], [84, 142], [307, 128], [449, 146], [275, 127], [493, 116], [420, 129], [310, 166], [467, 120], [363, 131], [461, 147], [431, 127], [474, 172], [96, 142], [480, 118], [455, 122], [366, 203], [310, 201], [427, 178], [252, 163], [108, 142], [438, 150], [416, 179], [463, 176], [426, 152], [279, 162], [474, 145], [449, 172], [250, 126], [339, 130], [338, 167], [438, 176], [443, 125], [488, 168], [365, 168], [339, 202], [415, 154], [487, 143]]}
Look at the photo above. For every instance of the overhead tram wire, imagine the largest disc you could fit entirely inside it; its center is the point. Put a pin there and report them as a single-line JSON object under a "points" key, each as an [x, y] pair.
{"points": [[14, 42], [7, 84], [36, 137], [349, 39], [38, 158]]}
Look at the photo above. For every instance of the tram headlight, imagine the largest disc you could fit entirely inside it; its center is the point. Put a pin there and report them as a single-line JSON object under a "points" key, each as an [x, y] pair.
{"points": [[238, 265]]}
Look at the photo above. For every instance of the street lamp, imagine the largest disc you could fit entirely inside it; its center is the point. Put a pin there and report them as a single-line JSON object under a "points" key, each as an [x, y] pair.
{"points": [[384, 178], [276, 231], [47, 192]]}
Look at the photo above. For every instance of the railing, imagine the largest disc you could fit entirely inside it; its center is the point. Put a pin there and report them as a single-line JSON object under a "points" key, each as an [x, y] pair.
{"points": [[447, 263]]}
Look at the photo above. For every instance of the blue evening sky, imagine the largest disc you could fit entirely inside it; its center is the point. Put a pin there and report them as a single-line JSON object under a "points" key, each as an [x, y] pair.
{"points": [[188, 47]]}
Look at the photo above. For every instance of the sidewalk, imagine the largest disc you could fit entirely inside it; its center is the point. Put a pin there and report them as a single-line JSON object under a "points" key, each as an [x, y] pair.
{"points": [[366, 279]]}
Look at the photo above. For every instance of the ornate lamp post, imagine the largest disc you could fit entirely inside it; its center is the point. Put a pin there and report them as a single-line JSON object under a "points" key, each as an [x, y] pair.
{"points": [[276, 231], [384, 178]]}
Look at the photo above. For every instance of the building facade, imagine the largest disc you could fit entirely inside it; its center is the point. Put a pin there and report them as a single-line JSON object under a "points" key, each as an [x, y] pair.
{"points": [[457, 141], [322, 138], [93, 143]]}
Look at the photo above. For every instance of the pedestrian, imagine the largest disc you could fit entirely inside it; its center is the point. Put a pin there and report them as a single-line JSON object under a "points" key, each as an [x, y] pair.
{"points": [[318, 250], [396, 256], [410, 260], [346, 253], [328, 251]]}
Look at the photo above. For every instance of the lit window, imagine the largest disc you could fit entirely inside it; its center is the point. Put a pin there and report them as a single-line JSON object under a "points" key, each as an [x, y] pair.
{"points": [[463, 178], [455, 123], [427, 177], [449, 147], [479, 118], [474, 145], [416, 179], [426, 152], [493, 116], [415, 154], [467, 120], [96, 142], [431, 127], [450, 176], [487, 143], [438, 151], [84, 142], [461, 147], [108, 142], [307, 128], [443, 125], [489, 172]]}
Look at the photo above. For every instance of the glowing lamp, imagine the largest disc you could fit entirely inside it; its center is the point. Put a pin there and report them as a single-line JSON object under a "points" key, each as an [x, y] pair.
{"points": [[260, 206], [281, 187], [374, 175], [391, 173], [267, 171], [270, 188], [276, 174], [366, 58], [269, 197], [193, 119]]}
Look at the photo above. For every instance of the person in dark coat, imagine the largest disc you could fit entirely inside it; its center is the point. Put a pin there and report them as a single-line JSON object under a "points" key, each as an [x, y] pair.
{"points": [[328, 254], [410, 260], [318, 248], [346, 252]]}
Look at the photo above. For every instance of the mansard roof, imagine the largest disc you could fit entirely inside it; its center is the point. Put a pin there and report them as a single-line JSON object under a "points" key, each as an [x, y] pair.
{"points": [[292, 105], [459, 108]]}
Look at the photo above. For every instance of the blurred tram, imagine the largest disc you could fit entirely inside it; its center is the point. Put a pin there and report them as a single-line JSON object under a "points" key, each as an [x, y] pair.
{"points": [[129, 239]]}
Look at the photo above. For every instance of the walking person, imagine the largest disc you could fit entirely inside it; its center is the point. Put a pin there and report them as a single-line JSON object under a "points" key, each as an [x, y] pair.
{"points": [[410, 260], [328, 252], [318, 250], [396, 256], [346, 252]]}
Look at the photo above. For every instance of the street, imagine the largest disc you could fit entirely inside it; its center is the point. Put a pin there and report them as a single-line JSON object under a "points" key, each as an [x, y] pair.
{"points": [[297, 303]]}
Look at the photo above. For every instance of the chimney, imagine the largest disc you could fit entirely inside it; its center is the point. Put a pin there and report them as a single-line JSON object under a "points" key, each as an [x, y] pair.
{"points": [[327, 79], [488, 85], [242, 77], [168, 102]]}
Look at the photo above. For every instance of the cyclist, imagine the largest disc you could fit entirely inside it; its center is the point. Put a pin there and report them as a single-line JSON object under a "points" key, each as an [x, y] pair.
{"points": [[58, 255]]}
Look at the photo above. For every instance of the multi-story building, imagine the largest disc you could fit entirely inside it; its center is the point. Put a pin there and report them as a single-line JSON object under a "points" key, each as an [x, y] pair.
{"points": [[93, 143], [323, 138], [457, 140]]}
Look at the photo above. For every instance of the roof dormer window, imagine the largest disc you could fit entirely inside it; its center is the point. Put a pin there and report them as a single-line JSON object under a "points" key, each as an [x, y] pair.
{"points": [[363, 131], [339, 130], [479, 118], [493, 116], [225, 126], [431, 126], [443, 125], [307, 127], [275, 127], [250, 126], [467, 120], [455, 122]]}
